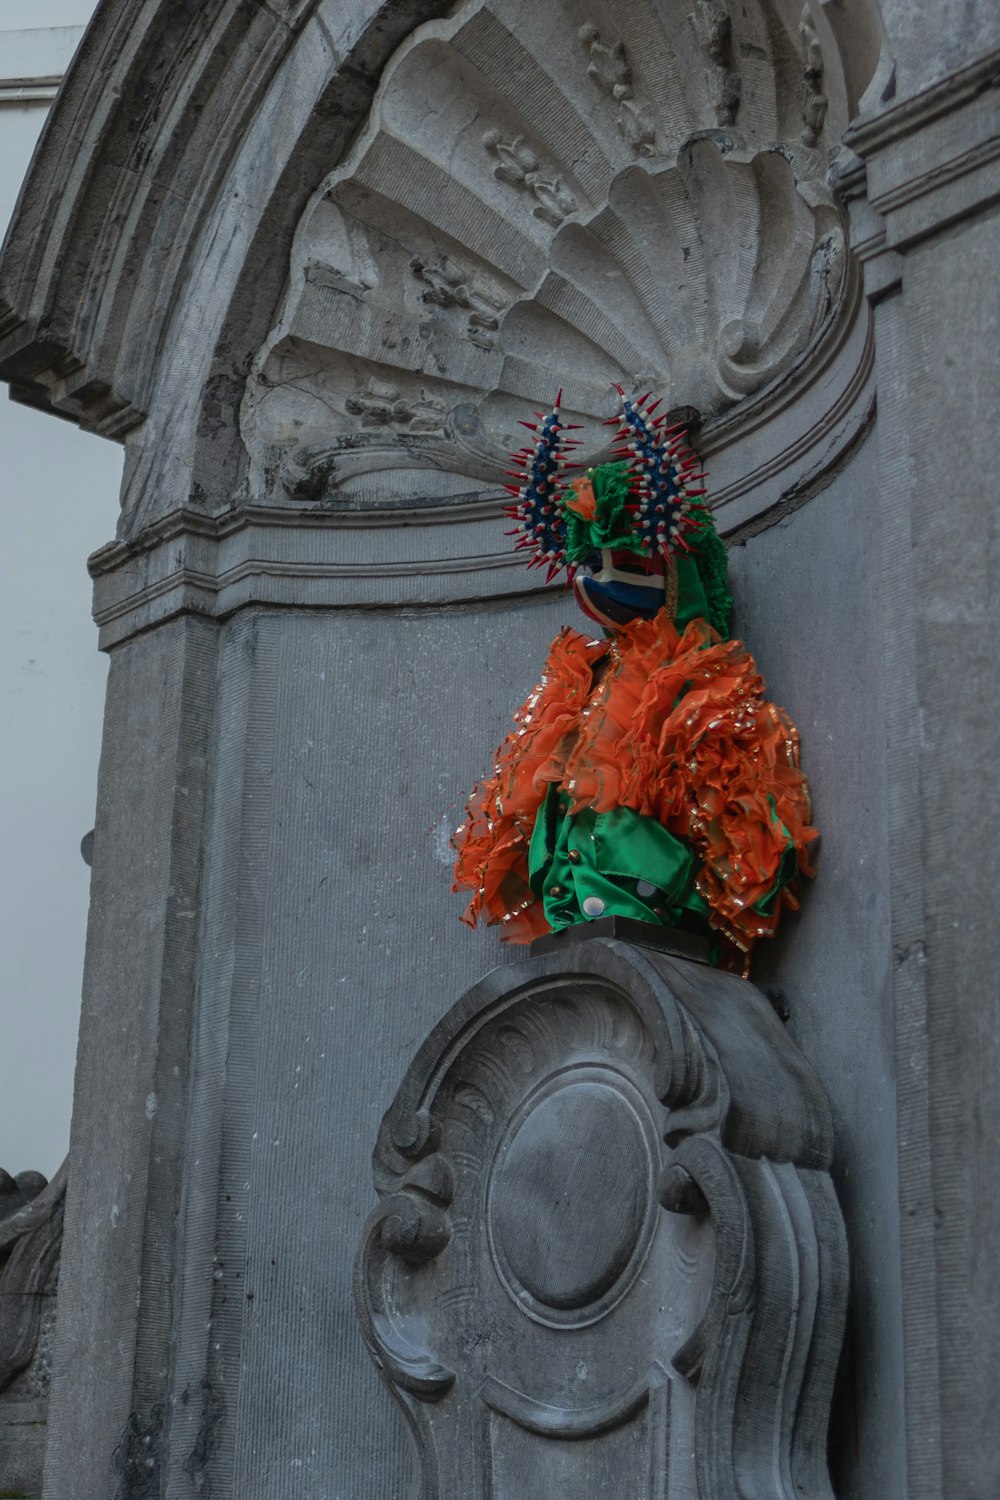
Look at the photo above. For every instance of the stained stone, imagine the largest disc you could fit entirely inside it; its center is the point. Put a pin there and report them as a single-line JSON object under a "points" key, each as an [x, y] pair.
{"points": [[312, 263], [579, 1156]]}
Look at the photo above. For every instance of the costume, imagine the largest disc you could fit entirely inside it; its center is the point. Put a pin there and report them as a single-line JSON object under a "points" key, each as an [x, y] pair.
{"points": [[647, 775]]}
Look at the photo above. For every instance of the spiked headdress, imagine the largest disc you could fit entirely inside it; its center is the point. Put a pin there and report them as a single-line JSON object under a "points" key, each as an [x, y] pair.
{"points": [[649, 501]]}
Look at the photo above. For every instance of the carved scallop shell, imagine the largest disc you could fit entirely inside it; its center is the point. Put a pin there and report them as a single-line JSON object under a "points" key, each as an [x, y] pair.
{"points": [[538, 203]]}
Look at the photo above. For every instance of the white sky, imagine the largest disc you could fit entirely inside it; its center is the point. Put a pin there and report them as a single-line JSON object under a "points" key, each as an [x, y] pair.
{"points": [[59, 497], [22, 14]]}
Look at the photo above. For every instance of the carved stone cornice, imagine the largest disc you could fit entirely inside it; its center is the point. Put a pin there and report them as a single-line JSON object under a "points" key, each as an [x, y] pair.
{"points": [[188, 562], [931, 158], [872, 132], [520, 1287]]}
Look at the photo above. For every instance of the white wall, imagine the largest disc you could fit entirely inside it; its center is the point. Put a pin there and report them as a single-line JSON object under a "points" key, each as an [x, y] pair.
{"points": [[59, 497]]}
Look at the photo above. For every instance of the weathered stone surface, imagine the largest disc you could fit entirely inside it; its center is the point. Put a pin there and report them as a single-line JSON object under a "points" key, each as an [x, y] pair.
{"points": [[31, 1221], [428, 298], [831, 972], [931, 161], [270, 840], [538, 1316], [771, 307]]}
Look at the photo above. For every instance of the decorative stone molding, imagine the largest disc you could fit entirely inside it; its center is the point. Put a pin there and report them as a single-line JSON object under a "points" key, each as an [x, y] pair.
{"points": [[521, 1288], [929, 159], [31, 1221], [581, 121], [31, 1213], [302, 556], [814, 101], [631, 241], [113, 248], [713, 26]]}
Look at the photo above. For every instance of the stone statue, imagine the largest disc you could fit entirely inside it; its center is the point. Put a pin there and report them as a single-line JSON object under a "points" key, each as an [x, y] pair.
{"points": [[647, 776]]}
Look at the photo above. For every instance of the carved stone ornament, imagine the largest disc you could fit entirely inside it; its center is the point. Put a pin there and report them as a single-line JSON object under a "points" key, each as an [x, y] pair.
{"points": [[31, 1218], [608, 1258], [31, 1223], [578, 209]]}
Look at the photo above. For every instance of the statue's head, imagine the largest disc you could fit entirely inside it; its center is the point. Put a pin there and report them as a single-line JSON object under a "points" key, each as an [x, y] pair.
{"points": [[616, 579], [626, 532]]}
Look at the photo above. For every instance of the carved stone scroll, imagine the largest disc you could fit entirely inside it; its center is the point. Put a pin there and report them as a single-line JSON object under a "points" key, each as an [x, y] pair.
{"points": [[31, 1220], [608, 1257]]}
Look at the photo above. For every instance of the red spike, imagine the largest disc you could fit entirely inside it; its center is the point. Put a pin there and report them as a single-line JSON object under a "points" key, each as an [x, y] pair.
{"points": [[558, 401], [530, 425]]}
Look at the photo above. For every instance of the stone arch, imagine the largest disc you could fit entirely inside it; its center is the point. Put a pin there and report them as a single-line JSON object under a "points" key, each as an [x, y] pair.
{"points": [[189, 140], [160, 257]]}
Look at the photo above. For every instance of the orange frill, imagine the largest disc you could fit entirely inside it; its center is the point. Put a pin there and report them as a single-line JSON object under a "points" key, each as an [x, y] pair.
{"points": [[675, 727]]}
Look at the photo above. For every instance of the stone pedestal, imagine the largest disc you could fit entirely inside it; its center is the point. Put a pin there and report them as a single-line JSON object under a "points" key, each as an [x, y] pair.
{"points": [[313, 263], [608, 1259]]}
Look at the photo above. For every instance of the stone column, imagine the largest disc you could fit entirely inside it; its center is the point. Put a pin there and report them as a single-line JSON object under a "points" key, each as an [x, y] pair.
{"points": [[926, 226]]}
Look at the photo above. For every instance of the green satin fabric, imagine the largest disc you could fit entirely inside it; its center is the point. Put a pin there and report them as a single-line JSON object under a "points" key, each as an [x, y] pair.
{"points": [[692, 603], [606, 857]]}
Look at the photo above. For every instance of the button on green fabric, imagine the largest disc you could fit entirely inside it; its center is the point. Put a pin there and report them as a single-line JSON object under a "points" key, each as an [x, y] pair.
{"points": [[583, 862]]}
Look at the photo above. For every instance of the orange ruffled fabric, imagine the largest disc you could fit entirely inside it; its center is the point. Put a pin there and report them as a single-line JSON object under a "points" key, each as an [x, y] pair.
{"points": [[675, 727]]}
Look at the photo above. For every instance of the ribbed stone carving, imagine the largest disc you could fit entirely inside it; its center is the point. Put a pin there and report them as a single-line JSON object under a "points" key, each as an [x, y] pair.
{"points": [[524, 212]]}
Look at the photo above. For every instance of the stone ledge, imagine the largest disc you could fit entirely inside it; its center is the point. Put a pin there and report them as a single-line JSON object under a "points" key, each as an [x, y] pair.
{"points": [[190, 562], [931, 159]]}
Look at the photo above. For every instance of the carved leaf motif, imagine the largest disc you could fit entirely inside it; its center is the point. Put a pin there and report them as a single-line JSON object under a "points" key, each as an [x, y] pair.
{"points": [[610, 70], [814, 102]]}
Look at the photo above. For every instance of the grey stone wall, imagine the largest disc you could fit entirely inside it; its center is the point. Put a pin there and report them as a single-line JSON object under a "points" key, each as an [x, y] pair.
{"points": [[306, 675], [344, 746], [809, 605]]}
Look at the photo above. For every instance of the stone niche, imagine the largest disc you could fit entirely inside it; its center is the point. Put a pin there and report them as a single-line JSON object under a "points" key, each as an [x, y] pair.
{"points": [[608, 1259], [570, 196], [315, 262]]}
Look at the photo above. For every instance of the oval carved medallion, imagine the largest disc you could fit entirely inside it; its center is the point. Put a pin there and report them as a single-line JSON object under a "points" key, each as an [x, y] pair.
{"points": [[580, 1151]]}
